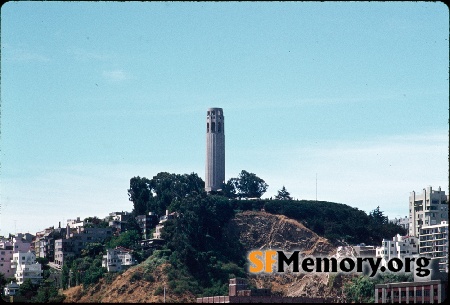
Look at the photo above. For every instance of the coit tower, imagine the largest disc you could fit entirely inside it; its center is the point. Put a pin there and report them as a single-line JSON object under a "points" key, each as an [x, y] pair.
{"points": [[215, 150]]}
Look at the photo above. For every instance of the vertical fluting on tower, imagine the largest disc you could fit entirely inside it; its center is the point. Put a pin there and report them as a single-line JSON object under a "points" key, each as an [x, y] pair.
{"points": [[215, 150]]}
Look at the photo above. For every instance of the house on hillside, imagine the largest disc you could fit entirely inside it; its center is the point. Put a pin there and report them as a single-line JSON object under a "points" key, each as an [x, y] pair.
{"points": [[118, 259], [162, 220]]}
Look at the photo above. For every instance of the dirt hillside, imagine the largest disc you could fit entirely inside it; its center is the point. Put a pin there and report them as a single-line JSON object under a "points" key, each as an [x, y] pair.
{"points": [[256, 230], [261, 230], [124, 290]]}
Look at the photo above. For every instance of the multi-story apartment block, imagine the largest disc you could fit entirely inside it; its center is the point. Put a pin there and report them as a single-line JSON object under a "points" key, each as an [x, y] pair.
{"points": [[26, 267], [39, 243], [8, 247], [44, 242], [147, 223], [433, 242], [76, 240], [427, 209], [6, 256], [117, 259], [399, 247]]}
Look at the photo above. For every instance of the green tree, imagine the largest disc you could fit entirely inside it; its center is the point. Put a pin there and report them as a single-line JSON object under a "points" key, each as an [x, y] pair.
{"points": [[139, 193], [248, 185], [229, 188], [378, 216], [27, 289], [65, 276], [202, 250], [47, 293], [128, 239], [156, 194], [360, 290], [283, 194], [92, 249]]}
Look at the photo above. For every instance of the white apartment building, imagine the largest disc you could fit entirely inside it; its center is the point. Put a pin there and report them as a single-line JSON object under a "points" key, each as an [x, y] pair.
{"points": [[26, 267], [427, 209], [399, 247], [433, 242], [117, 259], [7, 248]]}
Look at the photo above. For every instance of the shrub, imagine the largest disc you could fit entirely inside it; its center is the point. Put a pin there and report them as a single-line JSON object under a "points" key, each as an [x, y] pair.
{"points": [[136, 276], [149, 278], [159, 291]]}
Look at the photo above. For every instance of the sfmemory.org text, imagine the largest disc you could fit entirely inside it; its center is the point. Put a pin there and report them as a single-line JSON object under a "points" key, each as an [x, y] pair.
{"points": [[263, 261]]}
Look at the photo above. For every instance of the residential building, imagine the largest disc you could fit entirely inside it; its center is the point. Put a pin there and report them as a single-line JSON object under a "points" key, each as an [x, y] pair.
{"points": [[26, 267], [11, 289], [75, 241], [75, 223], [402, 222], [215, 149], [160, 225], [44, 241], [399, 247], [118, 221], [117, 259], [6, 256], [427, 209], [433, 243], [147, 223], [18, 243]]}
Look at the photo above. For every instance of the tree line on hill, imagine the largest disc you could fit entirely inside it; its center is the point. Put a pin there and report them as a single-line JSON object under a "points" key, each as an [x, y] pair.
{"points": [[202, 253]]}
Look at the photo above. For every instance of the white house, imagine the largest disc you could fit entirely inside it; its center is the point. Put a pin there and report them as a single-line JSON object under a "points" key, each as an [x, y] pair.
{"points": [[26, 267], [117, 259]]}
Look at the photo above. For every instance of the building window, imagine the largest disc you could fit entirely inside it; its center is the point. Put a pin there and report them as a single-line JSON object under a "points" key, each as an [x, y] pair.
{"points": [[219, 127], [213, 127]]}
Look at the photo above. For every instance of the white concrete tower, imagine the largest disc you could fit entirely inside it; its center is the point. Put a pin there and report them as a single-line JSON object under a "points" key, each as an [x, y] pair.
{"points": [[215, 150]]}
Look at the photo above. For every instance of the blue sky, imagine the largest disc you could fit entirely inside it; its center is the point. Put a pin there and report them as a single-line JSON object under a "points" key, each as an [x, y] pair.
{"points": [[95, 93]]}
